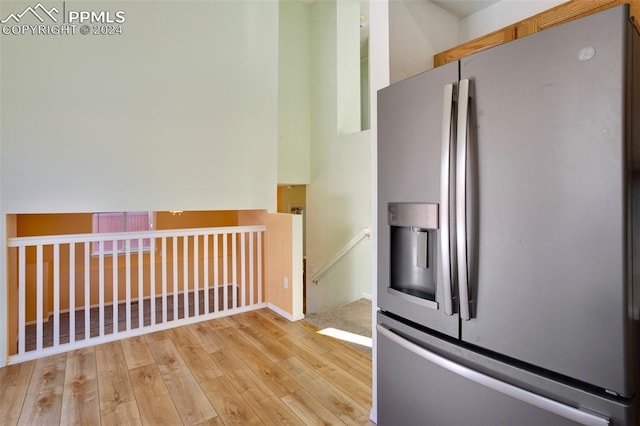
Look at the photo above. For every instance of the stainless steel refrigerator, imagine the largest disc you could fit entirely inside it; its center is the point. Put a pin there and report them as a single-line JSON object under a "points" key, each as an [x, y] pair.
{"points": [[509, 233]]}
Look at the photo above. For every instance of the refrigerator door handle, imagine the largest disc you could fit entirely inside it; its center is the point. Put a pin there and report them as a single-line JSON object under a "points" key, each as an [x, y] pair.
{"points": [[445, 193], [525, 396], [461, 198]]}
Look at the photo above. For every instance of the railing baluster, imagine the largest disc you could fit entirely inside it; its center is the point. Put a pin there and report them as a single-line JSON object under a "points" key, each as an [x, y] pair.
{"points": [[127, 271], [152, 281], [87, 291], [39, 296], [140, 285], [216, 271], [72, 293], [234, 263], [251, 236], [196, 284], [260, 266], [56, 294], [115, 290], [175, 278], [22, 298], [243, 278], [225, 273], [205, 269], [243, 274], [164, 279], [101, 287], [185, 276]]}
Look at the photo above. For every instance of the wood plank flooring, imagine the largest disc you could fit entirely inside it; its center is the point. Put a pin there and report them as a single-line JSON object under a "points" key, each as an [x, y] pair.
{"points": [[249, 369]]}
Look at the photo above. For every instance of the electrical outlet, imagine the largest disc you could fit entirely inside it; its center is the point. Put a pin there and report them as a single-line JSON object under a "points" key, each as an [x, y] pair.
{"points": [[286, 283]]}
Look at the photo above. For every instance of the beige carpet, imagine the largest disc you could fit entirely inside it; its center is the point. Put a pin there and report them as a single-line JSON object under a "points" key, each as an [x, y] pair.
{"points": [[354, 317]]}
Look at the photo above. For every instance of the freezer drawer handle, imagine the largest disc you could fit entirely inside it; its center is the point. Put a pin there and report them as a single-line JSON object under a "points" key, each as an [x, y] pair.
{"points": [[527, 397], [461, 198], [445, 209]]}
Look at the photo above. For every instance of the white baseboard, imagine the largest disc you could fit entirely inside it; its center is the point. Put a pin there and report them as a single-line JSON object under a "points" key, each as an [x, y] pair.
{"points": [[284, 313], [366, 296]]}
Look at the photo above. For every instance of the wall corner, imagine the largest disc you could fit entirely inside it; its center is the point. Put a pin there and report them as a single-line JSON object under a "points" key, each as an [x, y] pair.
{"points": [[8, 333], [283, 283]]}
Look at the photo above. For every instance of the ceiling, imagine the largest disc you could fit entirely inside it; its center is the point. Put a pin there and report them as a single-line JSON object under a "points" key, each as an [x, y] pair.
{"points": [[462, 8], [459, 8]]}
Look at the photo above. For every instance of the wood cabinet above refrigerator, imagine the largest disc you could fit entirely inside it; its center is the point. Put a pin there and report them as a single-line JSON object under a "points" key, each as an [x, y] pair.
{"points": [[560, 14]]}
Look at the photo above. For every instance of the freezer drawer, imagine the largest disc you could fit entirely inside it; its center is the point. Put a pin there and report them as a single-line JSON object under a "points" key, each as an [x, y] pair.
{"points": [[419, 387]]}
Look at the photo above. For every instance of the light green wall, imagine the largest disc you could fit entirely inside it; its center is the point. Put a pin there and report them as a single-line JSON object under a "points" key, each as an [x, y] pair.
{"points": [[348, 71], [294, 91], [179, 112], [339, 196]]}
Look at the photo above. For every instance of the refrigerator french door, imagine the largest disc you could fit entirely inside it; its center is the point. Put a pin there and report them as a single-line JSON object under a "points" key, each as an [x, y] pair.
{"points": [[410, 157], [524, 155]]}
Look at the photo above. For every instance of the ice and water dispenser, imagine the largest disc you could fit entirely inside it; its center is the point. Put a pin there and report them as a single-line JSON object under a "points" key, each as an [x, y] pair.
{"points": [[413, 254]]}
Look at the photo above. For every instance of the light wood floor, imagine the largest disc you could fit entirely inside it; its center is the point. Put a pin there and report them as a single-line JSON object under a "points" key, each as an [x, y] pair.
{"points": [[252, 368]]}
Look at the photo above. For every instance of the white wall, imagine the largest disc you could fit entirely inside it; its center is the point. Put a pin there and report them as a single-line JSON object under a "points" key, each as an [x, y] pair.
{"points": [[500, 15], [179, 112], [338, 198], [294, 89], [418, 30]]}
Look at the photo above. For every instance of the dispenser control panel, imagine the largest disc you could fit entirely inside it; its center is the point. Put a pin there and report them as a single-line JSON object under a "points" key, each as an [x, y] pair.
{"points": [[418, 215]]}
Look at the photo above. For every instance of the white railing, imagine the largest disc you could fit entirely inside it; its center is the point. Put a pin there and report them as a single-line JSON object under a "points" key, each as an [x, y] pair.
{"points": [[72, 292], [365, 233]]}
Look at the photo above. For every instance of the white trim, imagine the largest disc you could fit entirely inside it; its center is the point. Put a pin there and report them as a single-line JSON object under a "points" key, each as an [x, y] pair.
{"points": [[296, 267], [284, 313], [4, 301], [15, 359], [366, 296]]}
